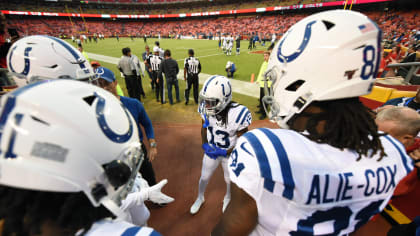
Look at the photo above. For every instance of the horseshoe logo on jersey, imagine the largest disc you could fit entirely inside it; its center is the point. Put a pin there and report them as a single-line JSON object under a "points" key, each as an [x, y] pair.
{"points": [[303, 44]]}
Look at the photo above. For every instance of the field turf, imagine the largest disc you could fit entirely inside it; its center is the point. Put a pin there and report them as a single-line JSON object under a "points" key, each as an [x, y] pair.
{"points": [[213, 62]]}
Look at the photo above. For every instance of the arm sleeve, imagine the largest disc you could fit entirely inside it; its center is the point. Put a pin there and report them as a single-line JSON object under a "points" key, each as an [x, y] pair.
{"points": [[161, 69], [199, 67], [244, 119], [261, 73], [177, 68], [119, 65], [146, 122]]}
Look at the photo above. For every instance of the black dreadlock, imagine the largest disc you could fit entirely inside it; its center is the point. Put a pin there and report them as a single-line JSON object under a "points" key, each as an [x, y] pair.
{"points": [[24, 211], [348, 124], [223, 115]]}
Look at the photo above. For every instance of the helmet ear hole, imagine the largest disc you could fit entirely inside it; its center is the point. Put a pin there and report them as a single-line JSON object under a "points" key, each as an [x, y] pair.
{"points": [[328, 24], [89, 99], [295, 85]]}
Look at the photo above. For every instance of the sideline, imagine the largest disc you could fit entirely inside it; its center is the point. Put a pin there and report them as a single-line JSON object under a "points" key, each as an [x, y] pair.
{"points": [[242, 87]]}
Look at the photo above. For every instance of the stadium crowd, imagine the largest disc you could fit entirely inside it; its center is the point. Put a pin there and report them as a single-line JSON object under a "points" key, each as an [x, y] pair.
{"points": [[130, 7], [397, 25], [325, 122]]}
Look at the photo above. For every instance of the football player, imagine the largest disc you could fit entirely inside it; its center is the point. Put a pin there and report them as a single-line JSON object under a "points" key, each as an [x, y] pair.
{"points": [[229, 45], [70, 154], [223, 122], [331, 171], [41, 57], [224, 43]]}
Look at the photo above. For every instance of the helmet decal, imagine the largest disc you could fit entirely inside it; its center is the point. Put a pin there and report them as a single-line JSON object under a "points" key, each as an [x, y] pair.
{"points": [[11, 103], [304, 43], [118, 138], [27, 61], [9, 153], [70, 49], [230, 90], [205, 86]]}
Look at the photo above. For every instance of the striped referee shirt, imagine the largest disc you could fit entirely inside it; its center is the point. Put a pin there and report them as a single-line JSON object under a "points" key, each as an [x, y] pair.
{"points": [[154, 62], [192, 65]]}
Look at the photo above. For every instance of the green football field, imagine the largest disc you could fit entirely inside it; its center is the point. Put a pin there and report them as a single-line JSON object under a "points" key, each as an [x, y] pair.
{"points": [[212, 59]]}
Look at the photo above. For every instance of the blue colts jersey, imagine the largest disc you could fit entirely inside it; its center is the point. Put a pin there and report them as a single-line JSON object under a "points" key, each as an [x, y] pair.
{"points": [[119, 228], [305, 188]]}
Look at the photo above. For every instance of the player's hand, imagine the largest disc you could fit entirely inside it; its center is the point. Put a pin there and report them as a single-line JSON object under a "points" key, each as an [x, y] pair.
{"points": [[415, 155], [152, 153], [134, 199], [155, 193], [219, 152], [139, 183], [157, 81], [208, 150], [213, 152]]}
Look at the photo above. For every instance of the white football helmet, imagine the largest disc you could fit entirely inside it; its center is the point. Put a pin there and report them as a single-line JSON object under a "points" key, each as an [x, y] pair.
{"points": [[215, 95], [69, 136], [41, 57], [329, 55]]}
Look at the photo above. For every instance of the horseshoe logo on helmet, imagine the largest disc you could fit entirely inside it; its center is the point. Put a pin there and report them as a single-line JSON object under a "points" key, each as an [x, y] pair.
{"points": [[27, 61], [117, 138], [303, 44]]}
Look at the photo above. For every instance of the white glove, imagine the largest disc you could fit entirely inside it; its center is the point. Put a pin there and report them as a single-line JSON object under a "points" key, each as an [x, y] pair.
{"points": [[139, 183], [155, 194], [133, 199], [122, 75]]}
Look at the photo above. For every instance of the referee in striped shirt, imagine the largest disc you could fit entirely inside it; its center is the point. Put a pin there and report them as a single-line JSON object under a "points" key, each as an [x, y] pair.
{"points": [[192, 67], [154, 63]]}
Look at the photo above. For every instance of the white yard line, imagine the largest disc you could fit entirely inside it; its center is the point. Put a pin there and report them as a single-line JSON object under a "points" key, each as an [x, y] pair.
{"points": [[242, 87], [211, 55]]}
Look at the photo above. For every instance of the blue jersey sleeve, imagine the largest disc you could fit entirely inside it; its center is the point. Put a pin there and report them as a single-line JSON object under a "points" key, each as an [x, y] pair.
{"points": [[146, 122], [243, 119]]}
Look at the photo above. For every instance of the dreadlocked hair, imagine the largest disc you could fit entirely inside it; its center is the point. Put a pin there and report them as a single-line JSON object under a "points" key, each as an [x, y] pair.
{"points": [[24, 211], [223, 115], [348, 124]]}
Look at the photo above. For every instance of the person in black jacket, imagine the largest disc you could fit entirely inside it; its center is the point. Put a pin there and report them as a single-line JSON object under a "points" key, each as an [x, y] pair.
{"points": [[170, 68], [4, 46], [411, 57]]}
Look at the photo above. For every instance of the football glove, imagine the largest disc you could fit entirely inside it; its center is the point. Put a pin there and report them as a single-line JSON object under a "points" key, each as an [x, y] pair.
{"points": [[213, 152], [153, 194]]}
